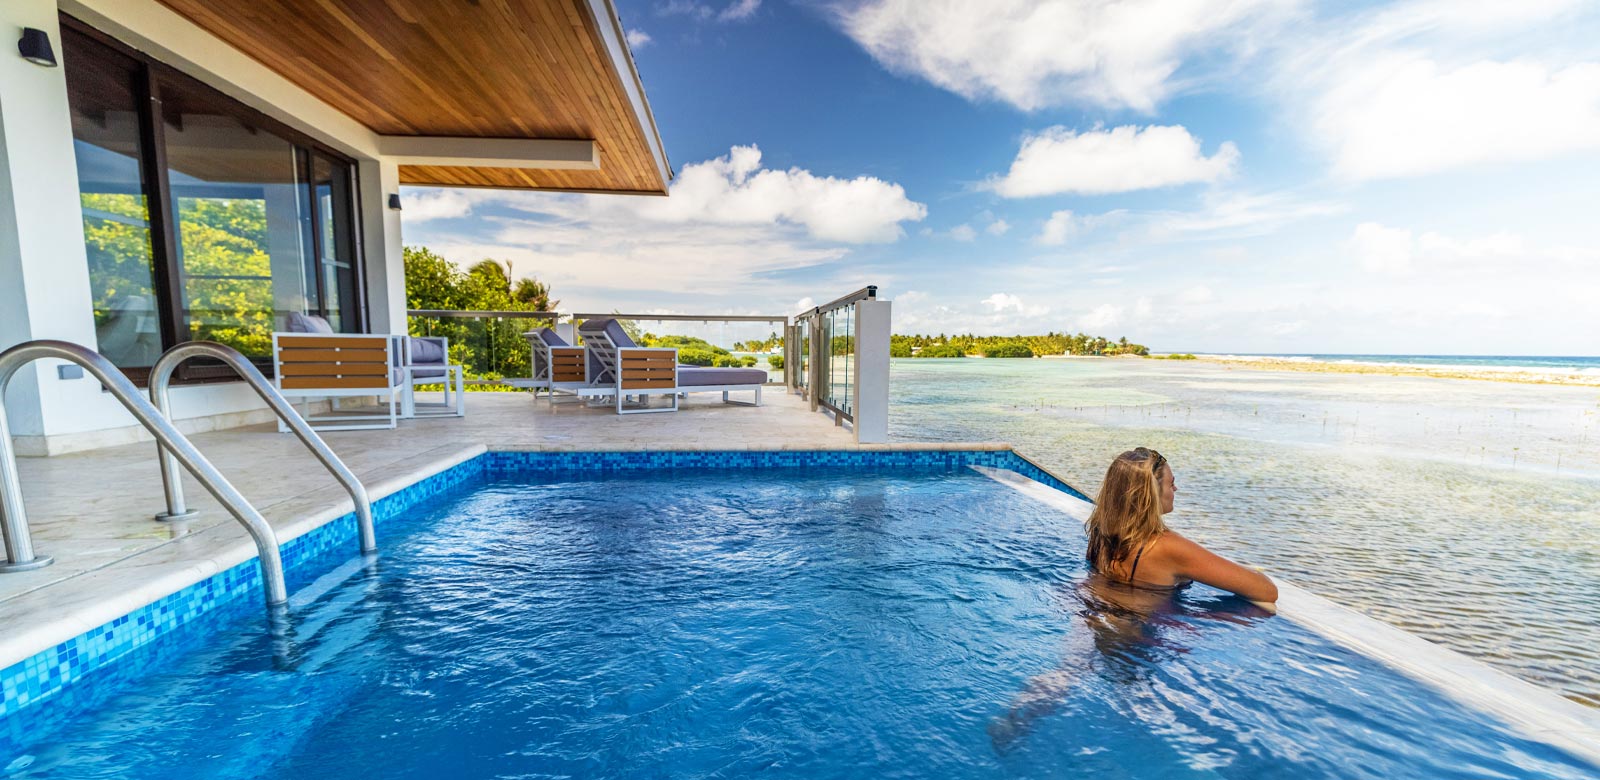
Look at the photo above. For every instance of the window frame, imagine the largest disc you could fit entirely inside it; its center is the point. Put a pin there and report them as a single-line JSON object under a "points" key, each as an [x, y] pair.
{"points": [[167, 283]]}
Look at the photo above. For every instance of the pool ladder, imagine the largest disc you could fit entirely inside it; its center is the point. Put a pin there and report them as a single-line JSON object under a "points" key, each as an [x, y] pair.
{"points": [[173, 449]]}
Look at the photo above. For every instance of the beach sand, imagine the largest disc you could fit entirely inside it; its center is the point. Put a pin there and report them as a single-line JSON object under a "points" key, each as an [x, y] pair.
{"points": [[1488, 374]]}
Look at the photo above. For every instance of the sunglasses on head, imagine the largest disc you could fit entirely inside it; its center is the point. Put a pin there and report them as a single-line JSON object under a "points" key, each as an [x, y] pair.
{"points": [[1142, 453]]}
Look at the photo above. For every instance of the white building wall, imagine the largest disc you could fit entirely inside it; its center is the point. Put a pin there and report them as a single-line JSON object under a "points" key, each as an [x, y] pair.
{"points": [[44, 281]]}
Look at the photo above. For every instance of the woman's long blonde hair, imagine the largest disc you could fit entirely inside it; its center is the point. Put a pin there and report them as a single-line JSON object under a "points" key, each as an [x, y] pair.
{"points": [[1127, 514]]}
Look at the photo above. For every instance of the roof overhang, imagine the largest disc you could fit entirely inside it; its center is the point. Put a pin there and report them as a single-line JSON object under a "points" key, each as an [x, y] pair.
{"points": [[524, 94]]}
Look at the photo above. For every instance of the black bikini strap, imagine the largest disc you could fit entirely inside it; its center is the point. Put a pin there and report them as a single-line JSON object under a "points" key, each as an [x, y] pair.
{"points": [[1135, 570]]}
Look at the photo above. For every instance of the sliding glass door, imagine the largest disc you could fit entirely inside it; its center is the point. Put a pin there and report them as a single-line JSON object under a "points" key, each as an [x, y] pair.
{"points": [[205, 219]]}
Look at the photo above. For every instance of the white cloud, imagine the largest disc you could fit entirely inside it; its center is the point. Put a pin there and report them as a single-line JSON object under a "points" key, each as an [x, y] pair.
{"points": [[736, 190], [638, 38], [1100, 318], [1406, 115], [1381, 248], [727, 229], [963, 233], [999, 227], [1002, 301], [1033, 54], [417, 207], [1412, 88], [738, 10], [1058, 228], [1060, 160], [1400, 251], [1197, 294]]}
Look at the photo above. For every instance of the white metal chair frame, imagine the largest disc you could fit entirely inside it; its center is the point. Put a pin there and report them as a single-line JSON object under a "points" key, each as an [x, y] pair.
{"points": [[409, 407]]}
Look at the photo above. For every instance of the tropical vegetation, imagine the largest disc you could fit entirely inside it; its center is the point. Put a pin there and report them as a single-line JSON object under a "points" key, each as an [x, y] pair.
{"points": [[943, 346], [490, 347]]}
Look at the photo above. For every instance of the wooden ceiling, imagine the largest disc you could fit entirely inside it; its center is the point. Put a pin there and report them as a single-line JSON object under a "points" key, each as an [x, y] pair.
{"points": [[458, 68]]}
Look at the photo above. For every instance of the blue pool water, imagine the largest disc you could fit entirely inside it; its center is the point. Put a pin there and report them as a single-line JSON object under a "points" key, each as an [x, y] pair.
{"points": [[728, 623]]}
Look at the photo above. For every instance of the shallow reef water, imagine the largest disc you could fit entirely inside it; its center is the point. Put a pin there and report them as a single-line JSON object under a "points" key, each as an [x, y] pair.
{"points": [[1467, 512]]}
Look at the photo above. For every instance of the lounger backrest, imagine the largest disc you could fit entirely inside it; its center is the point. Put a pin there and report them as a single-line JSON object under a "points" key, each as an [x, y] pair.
{"points": [[603, 337], [318, 362]]}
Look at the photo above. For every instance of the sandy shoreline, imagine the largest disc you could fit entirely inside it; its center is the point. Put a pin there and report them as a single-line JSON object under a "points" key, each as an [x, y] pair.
{"points": [[1526, 376]]}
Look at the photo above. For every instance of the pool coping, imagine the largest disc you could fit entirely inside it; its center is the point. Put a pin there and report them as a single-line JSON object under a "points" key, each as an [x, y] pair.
{"points": [[1536, 712]]}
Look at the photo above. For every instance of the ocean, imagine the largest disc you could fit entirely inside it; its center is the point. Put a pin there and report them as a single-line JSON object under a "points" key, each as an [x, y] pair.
{"points": [[1553, 363], [1467, 512]]}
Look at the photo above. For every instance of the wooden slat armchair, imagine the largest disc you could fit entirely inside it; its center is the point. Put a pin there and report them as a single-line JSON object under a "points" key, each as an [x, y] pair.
{"points": [[340, 365]]}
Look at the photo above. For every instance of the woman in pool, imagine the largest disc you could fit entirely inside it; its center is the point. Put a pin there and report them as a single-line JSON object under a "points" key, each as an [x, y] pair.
{"points": [[1132, 552], [1137, 565]]}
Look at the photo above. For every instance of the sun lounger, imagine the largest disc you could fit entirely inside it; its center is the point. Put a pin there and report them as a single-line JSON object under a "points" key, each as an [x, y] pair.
{"points": [[619, 369], [558, 367]]}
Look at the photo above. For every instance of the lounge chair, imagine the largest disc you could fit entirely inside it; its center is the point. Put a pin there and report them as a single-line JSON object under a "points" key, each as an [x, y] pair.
{"points": [[557, 365], [618, 368], [337, 365], [417, 360]]}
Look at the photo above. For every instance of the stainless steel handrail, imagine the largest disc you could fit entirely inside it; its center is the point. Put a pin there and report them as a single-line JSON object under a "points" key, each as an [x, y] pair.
{"points": [[13, 518], [161, 379], [465, 314], [870, 292], [684, 317]]}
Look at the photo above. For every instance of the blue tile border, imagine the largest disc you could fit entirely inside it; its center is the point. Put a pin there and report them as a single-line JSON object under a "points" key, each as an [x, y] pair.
{"points": [[118, 651], [505, 463]]}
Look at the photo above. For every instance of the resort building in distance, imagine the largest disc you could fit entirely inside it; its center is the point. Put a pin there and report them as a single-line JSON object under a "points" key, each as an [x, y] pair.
{"points": [[219, 180]]}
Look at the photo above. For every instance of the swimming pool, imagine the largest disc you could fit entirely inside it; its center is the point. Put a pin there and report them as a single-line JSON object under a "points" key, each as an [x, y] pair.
{"points": [[831, 621]]}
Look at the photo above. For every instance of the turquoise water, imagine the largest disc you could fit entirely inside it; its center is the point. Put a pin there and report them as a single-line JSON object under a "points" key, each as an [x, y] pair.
{"points": [[807, 624], [1582, 365], [1466, 512]]}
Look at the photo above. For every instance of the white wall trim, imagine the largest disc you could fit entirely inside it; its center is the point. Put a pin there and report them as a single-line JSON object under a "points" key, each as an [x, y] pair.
{"points": [[572, 155]]}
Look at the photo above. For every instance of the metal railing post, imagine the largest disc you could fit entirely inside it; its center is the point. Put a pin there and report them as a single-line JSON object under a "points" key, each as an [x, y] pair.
{"points": [[160, 395], [19, 546]]}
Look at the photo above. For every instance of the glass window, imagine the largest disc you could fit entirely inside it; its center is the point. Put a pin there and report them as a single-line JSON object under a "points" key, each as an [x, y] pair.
{"points": [[203, 218], [103, 92], [331, 182], [242, 216]]}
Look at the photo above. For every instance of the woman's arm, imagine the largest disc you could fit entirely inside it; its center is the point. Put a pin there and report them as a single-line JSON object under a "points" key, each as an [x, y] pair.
{"points": [[1195, 562]]}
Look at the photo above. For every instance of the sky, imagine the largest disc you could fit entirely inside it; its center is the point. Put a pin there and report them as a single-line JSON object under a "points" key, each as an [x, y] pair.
{"points": [[1251, 176]]}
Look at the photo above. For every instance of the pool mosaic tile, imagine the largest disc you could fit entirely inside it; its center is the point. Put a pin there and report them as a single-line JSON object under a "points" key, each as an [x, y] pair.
{"points": [[112, 653]]}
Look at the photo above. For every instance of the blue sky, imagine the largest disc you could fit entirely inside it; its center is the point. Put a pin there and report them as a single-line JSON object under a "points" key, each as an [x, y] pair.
{"points": [[1227, 175]]}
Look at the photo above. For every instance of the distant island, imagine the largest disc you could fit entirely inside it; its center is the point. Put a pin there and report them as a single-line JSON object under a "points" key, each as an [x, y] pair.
{"points": [[942, 346]]}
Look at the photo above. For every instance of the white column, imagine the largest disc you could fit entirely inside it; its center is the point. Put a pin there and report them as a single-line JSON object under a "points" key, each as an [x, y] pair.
{"points": [[44, 270], [872, 372], [381, 246]]}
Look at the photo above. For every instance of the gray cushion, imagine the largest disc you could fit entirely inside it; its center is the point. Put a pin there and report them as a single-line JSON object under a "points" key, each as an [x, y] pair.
{"points": [[552, 338], [611, 328], [307, 323], [700, 376], [426, 351]]}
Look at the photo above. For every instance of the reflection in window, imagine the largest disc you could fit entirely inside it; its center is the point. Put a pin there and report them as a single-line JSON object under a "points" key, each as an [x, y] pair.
{"points": [[330, 182], [243, 222], [101, 89]]}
